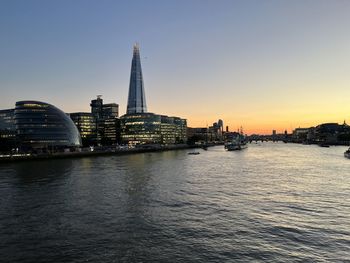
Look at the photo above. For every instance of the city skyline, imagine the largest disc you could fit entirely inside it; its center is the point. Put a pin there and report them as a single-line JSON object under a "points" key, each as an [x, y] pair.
{"points": [[261, 65]]}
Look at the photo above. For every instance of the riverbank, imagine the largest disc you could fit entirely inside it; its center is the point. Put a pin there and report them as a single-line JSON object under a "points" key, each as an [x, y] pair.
{"points": [[87, 152]]}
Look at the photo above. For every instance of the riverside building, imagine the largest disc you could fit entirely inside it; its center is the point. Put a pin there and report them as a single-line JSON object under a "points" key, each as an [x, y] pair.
{"points": [[40, 125], [86, 124], [7, 130], [101, 125], [138, 126]]}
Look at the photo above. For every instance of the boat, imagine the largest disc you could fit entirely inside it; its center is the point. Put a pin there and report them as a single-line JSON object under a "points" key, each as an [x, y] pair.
{"points": [[235, 146], [237, 143], [347, 153], [194, 153]]}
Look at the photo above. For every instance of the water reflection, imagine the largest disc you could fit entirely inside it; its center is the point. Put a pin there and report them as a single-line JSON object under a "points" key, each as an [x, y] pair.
{"points": [[42, 171], [273, 202]]}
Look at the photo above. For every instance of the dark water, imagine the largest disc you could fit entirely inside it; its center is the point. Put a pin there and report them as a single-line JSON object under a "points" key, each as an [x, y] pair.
{"points": [[269, 203]]}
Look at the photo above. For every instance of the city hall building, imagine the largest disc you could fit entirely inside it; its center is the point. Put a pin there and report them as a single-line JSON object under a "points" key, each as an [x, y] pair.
{"points": [[40, 125]]}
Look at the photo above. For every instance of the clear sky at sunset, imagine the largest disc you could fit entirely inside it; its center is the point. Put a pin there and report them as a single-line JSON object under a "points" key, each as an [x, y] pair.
{"points": [[258, 64]]}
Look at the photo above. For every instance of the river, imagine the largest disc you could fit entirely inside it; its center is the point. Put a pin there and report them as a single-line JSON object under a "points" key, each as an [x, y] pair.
{"points": [[272, 202]]}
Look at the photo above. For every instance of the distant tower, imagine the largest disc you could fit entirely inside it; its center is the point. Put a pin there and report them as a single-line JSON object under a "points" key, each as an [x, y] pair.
{"points": [[97, 107], [136, 98]]}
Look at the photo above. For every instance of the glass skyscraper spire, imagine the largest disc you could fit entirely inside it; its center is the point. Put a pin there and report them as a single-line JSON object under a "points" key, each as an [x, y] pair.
{"points": [[136, 98]]}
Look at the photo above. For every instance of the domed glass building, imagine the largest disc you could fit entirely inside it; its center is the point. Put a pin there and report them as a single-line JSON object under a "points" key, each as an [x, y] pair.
{"points": [[41, 125]]}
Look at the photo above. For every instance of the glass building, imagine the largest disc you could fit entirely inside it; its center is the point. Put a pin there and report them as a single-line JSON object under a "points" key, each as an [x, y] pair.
{"points": [[105, 115], [150, 128], [40, 125], [7, 130], [110, 110], [140, 128], [86, 124], [111, 131], [136, 98]]}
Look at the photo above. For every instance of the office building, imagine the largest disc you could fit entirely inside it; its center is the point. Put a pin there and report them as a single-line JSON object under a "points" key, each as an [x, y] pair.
{"points": [[40, 125], [150, 128], [7, 130], [105, 116], [136, 98], [86, 124], [111, 131], [138, 126]]}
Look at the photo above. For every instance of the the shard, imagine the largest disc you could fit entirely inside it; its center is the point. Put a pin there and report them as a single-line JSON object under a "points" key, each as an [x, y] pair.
{"points": [[136, 98]]}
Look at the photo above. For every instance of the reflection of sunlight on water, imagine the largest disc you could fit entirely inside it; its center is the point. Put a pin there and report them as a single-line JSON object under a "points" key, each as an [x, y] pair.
{"points": [[273, 202]]}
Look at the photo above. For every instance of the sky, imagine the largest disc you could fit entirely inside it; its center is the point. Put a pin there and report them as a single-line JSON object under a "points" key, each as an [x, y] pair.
{"points": [[262, 65]]}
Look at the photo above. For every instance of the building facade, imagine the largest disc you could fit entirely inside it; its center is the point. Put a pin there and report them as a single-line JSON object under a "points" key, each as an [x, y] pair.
{"points": [[111, 131], [40, 125], [7, 130], [86, 124], [150, 128], [106, 122], [136, 97], [138, 126]]}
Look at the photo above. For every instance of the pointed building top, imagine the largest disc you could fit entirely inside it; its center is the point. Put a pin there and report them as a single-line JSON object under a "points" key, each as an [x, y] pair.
{"points": [[136, 98]]}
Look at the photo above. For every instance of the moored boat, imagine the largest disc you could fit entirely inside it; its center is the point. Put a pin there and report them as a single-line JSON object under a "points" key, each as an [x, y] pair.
{"points": [[236, 146], [194, 153], [237, 143], [347, 153]]}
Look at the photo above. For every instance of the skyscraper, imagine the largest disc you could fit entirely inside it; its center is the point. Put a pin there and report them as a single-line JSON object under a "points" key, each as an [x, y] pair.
{"points": [[136, 98], [138, 126]]}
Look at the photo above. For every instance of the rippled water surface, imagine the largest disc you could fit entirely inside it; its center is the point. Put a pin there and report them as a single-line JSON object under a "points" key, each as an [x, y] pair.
{"points": [[272, 202]]}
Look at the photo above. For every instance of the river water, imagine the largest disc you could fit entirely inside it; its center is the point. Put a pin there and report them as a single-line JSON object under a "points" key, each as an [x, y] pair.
{"points": [[272, 202]]}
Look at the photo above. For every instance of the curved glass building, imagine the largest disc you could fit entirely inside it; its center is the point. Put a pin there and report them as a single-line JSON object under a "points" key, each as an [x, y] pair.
{"points": [[41, 125]]}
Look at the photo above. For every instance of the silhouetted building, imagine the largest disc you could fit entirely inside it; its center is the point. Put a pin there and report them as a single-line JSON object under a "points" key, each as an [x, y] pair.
{"points": [[197, 135], [332, 133], [105, 115], [300, 134], [97, 107], [110, 110], [215, 132], [111, 131], [41, 125]]}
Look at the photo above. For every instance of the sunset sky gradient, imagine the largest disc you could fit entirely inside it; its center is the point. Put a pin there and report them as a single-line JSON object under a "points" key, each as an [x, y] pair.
{"points": [[258, 64]]}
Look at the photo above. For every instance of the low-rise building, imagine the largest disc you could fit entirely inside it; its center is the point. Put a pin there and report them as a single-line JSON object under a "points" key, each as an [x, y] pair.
{"points": [[150, 128]]}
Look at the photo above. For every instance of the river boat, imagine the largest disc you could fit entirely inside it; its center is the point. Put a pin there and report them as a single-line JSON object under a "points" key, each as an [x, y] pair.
{"points": [[194, 153], [235, 146], [347, 153], [237, 143]]}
